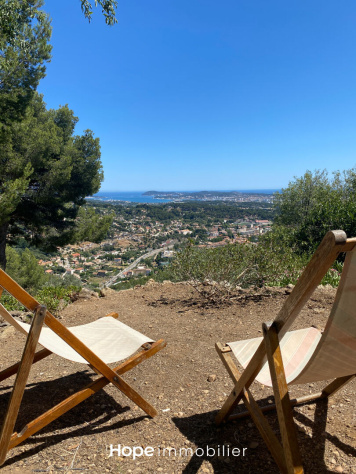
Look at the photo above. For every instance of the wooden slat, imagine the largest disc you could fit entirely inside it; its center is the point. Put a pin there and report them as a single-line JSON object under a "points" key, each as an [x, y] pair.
{"points": [[281, 395], [349, 245], [325, 255], [72, 401], [267, 408], [265, 430], [17, 292], [231, 402], [336, 385], [112, 315], [255, 412], [20, 382], [6, 373]]}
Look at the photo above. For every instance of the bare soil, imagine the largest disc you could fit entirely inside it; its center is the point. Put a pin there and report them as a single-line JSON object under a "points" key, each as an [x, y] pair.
{"points": [[187, 384]]}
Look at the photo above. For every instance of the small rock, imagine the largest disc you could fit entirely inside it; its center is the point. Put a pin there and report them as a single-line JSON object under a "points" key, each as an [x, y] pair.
{"points": [[84, 294], [151, 282], [253, 444], [105, 292], [339, 469], [212, 378]]}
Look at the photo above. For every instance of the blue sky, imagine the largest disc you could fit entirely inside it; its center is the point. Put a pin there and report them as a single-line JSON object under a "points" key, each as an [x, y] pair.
{"points": [[200, 94]]}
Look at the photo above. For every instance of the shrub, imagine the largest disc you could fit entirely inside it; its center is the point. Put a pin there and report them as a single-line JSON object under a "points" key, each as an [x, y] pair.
{"points": [[333, 275], [216, 273], [11, 303], [22, 266], [56, 297]]}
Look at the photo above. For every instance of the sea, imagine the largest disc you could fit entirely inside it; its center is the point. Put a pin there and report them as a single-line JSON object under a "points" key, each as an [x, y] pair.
{"points": [[126, 196], [138, 196]]}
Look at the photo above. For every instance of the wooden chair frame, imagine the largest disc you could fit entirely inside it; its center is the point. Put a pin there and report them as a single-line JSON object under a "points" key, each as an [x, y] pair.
{"points": [[287, 455], [8, 439]]}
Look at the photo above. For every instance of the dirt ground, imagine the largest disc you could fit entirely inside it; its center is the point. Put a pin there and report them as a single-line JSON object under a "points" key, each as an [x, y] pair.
{"points": [[187, 384]]}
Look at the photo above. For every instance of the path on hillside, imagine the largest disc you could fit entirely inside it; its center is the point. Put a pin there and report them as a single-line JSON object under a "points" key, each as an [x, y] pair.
{"points": [[132, 265]]}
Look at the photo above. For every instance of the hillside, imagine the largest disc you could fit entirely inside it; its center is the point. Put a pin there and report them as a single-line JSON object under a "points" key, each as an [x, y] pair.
{"points": [[187, 384]]}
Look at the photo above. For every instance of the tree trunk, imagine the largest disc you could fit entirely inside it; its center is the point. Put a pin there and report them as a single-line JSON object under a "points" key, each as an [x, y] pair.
{"points": [[3, 233]]}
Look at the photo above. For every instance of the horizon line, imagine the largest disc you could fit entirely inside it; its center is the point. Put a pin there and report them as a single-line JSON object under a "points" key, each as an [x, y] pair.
{"points": [[186, 190]]}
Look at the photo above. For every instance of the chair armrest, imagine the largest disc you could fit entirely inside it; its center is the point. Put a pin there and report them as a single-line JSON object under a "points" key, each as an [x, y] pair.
{"points": [[113, 315]]}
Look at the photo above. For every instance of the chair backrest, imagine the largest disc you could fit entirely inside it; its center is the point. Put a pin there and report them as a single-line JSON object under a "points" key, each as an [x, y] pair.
{"points": [[335, 355]]}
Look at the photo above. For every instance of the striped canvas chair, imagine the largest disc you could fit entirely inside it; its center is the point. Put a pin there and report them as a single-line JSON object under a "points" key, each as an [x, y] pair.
{"points": [[97, 344], [281, 358]]}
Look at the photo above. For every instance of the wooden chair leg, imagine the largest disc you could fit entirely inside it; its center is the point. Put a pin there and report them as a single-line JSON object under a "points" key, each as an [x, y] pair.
{"points": [[63, 407], [234, 398], [281, 394], [243, 383], [20, 382], [255, 412]]}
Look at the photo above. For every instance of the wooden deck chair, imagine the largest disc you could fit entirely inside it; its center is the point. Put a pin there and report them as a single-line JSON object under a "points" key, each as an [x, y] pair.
{"points": [[97, 344], [282, 358]]}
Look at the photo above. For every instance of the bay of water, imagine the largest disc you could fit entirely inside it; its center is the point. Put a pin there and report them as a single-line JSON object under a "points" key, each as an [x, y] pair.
{"points": [[128, 196], [137, 196]]}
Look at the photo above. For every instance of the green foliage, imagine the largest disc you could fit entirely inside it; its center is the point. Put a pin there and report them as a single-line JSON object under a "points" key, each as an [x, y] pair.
{"points": [[11, 303], [24, 269], [215, 273], [217, 239], [24, 49], [51, 290], [56, 297], [46, 173], [314, 204], [91, 225], [190, 212], [108, 10], [333, 275]]}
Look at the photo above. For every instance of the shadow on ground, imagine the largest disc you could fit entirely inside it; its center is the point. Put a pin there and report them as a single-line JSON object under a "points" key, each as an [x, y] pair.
{"points": [[201, 430], [92, 416]]}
